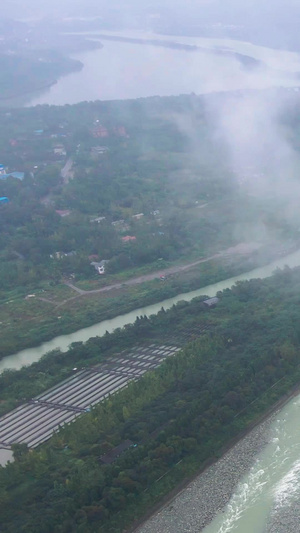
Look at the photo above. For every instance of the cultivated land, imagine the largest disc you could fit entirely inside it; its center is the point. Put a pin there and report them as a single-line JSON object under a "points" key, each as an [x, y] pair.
{"points": [[178, 417], [35, 422]]}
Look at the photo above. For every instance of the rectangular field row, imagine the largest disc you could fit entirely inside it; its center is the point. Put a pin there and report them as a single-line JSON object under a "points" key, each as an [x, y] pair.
{"points": [[36, 421]]}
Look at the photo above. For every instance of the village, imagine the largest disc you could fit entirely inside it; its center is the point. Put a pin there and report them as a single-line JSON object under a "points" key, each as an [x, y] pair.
{"points": [[87, 192], [51, 161]]}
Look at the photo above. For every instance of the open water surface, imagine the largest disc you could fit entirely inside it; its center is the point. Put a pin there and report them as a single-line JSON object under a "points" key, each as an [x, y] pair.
{"points": [[267, 499], [122, 70]]}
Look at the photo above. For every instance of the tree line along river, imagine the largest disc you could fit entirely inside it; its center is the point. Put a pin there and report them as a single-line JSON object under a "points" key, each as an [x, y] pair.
{"points": [[62, 342], [265, 499]]}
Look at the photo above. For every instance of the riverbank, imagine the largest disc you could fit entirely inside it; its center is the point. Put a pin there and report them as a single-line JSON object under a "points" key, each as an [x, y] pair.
{"points": [[182, 416], [33, 91], [196, 505], [65, 309], [246, 60], [27, 323], [205, 496], [45, 71], [55, 361]]}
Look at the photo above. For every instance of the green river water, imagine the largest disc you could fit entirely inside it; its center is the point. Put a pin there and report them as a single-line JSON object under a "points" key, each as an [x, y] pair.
{"points": [[267, 499]]}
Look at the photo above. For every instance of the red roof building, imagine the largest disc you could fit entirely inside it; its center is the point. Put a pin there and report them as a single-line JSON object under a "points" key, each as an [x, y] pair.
{"points": [[128, 238], [63, 212]]}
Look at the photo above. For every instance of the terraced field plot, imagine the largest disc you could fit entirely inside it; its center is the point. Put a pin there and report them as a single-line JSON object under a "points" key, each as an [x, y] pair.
{"points": [[35, 421]]}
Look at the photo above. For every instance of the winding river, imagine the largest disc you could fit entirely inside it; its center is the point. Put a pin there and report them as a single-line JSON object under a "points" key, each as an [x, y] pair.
{"points": [[30, 355], [123, 70]]}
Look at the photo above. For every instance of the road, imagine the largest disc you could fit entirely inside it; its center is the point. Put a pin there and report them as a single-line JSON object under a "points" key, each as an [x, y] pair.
{"points": [[67, 172], [239, 249]]}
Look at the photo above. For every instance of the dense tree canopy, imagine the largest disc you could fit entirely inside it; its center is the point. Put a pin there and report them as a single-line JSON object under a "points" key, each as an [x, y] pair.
{"points": [[184, 411]]}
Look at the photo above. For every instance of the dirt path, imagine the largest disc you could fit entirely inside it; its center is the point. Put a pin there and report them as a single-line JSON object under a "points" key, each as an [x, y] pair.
{"points": [[80, 291], [67, 171], [240, 249], [142, 279], [47, 300]]}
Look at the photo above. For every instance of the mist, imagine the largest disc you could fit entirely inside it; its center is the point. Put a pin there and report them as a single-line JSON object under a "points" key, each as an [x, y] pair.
{"points": [[274, 21], [261, 154]]}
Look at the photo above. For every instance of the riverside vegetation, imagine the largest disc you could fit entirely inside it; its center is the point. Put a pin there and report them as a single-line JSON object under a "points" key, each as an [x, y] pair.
{"points": [[179, 416], [156, 157], [42, 324], [34, 54]]}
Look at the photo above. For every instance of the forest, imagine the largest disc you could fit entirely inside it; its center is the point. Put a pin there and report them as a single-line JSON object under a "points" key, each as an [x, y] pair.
{"points": [[34, 54], [244, 359]]}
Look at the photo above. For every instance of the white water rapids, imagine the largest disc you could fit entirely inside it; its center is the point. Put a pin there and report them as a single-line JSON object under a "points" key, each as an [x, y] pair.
{"points": [[267, 499]]}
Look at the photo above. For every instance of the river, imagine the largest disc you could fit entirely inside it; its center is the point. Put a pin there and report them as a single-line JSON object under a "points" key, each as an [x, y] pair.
{"points": [[30, 355], [122, 70], [267, 499], [255, 486]]}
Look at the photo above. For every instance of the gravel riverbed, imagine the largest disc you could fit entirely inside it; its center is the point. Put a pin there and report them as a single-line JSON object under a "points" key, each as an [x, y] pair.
{"points": [[193, 508]]}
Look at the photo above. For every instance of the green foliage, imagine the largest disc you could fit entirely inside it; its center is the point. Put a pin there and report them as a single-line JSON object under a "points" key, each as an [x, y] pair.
{"points": [[179, 178], [31, 70], [141, 172], [179, 416]]}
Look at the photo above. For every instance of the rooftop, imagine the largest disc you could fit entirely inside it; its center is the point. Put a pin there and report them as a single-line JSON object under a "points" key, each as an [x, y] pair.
{"points": [[128, 238], [211, 301], [17, 175]]}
